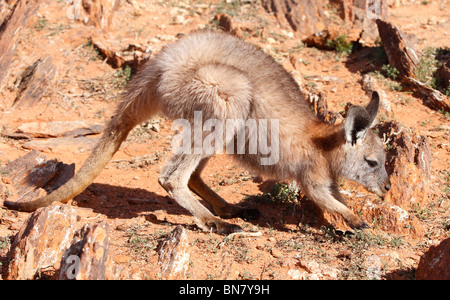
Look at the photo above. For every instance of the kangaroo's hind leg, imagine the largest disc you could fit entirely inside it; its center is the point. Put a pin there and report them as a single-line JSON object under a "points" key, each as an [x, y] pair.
{"points": [[221, 207], [174, 179]]}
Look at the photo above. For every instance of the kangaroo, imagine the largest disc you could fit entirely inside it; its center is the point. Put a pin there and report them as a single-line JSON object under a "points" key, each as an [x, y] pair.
{"points": [[225, 77]]}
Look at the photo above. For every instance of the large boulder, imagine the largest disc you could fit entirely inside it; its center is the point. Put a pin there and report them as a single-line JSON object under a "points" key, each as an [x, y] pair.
{"points": [[408, 165], [42, 240], [304, 16], [435, 263]]}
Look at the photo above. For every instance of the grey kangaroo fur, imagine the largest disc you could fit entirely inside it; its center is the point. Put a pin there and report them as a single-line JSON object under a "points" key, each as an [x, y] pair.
{"points": [[226, 78]]}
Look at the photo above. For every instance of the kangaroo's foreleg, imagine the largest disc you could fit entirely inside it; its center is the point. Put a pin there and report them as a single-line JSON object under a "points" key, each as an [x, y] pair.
{"points": [[336, 194], [174, 179], [327, 197], [220, 206]]}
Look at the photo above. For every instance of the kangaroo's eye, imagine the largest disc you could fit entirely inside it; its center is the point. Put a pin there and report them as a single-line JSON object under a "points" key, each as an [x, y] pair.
{"points": [[371, 163]]}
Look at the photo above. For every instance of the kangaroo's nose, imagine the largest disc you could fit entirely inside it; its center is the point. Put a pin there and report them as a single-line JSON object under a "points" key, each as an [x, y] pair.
{"points": [[387, 186]]}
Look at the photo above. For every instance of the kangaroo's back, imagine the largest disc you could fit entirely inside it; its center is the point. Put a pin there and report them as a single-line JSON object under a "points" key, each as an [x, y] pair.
{"points": [[219, 63]]}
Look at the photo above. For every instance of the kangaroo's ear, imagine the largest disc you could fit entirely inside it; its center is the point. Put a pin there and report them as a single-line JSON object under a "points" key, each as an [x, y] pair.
{"points": [[373, 107], [357, 124]]}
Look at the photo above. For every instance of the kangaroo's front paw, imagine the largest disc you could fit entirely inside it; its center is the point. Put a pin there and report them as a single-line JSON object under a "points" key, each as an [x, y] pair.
{"points": [[356, 223], [360, 225]]}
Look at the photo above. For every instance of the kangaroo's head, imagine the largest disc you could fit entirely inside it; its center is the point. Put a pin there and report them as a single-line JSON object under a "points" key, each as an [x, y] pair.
{"points": [[364, 159]]}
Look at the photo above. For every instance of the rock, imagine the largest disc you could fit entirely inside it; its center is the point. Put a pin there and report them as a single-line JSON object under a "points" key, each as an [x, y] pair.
{"points": [[408, 164], [345, 9], [17, 135], [303, 16], [352, 10], [32, 176], [403, 57], [431, 97], [33, 82], [87, 257], [400, 53], [61, 145], [318, 101], [375, 9], [366, 25], [434, 263], [320, 39], [120, 57], [390, 218], [298, 274], [38, 247], [316, 270], [174, 254], [11, 28], [59, 129], [113, 58], [94, 12]]}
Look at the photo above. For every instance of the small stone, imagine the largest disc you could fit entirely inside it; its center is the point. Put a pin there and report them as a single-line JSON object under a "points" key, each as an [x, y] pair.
{"points": [[174, 254]]}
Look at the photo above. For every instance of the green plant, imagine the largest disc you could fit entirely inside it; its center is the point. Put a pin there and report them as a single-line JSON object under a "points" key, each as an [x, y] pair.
{"points": [[362, 240], [391, 71], [141, 243], [284, 193], [4, 243], [387, 82], [341, 45], [41, 24], [427, 70], [279, 193], [123, 76], [396, 241], [427, 67], [231, 8]]}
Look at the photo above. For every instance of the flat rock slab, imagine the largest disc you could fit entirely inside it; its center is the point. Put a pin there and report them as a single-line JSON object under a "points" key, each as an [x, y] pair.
{"points": [[64, 144], [59, 129]]}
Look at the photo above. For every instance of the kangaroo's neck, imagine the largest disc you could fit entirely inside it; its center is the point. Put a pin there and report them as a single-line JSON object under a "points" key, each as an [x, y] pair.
{"points": [[327, 141], [327, 137]]}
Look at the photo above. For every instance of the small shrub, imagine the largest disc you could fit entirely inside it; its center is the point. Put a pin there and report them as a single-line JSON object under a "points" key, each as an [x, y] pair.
{"points": [[284, 193], [341, 45], [390, 71], [280, 193], [427, 67]]}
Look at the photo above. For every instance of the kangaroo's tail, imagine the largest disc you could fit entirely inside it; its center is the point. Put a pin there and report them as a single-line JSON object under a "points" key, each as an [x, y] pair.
{"points": [[136, 106]]}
